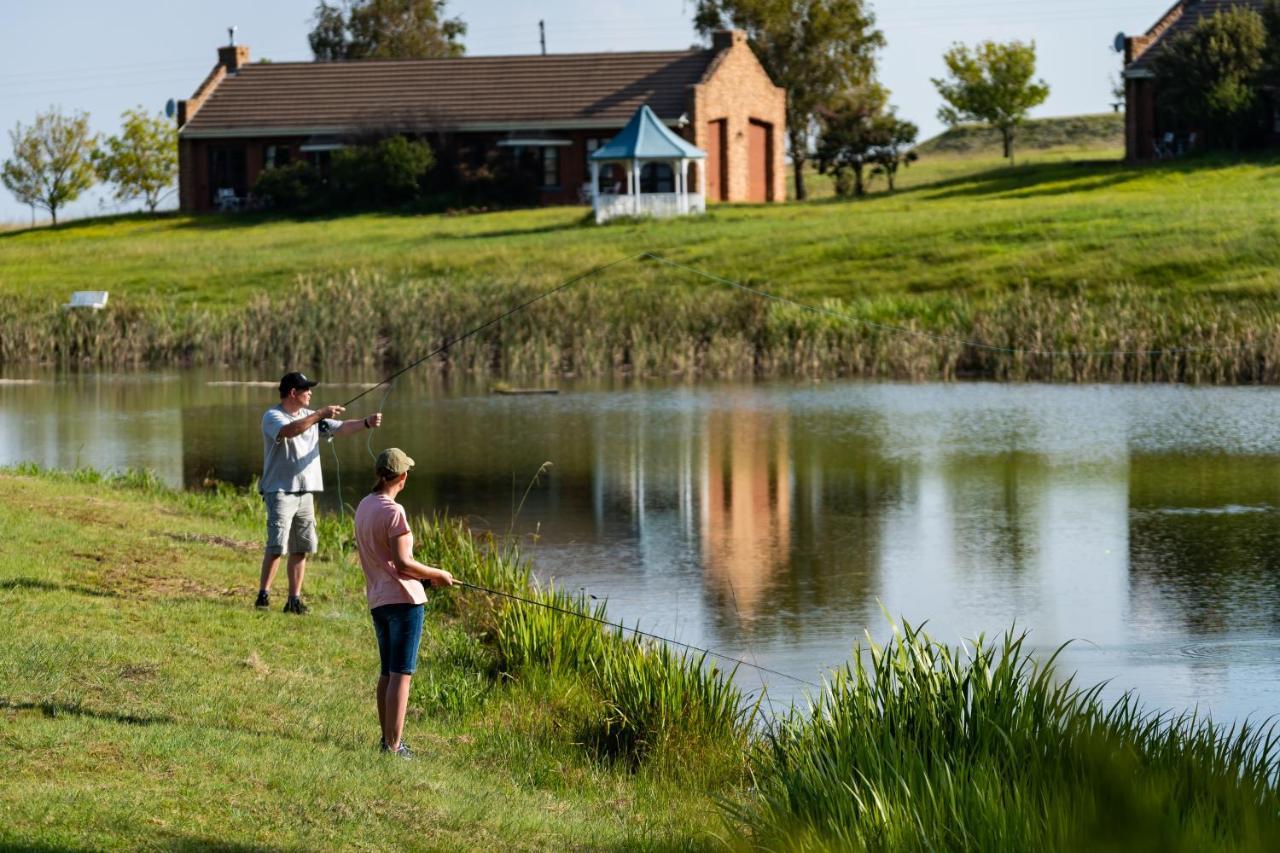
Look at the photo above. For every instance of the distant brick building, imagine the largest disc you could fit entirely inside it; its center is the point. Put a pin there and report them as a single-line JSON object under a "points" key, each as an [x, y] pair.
{"points": [[547, 113], [1148, 134]]}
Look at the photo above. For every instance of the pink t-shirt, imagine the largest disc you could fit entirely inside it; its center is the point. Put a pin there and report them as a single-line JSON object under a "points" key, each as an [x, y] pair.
{"points": [[379, 521]]}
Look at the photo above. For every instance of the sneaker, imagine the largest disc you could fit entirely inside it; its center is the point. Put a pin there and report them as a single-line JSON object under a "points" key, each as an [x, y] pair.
{"points": [[403, 752], [264, 600], [382, 746], [295, 605]]}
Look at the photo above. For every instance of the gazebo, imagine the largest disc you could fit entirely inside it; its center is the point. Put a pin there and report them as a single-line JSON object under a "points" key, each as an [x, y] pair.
{"points": [[657, 172]]}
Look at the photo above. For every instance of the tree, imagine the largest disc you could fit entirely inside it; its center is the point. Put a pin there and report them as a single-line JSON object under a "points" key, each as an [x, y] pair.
{"points": [[894, 151], [853, 128], [52, 162], [385, 29], [1208, 75], [991, 84], [814, 49], [142, 161]]}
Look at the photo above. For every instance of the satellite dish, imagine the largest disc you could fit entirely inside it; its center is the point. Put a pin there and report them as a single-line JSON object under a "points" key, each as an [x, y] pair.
{"points": [[170, 107], [1118, 44]]}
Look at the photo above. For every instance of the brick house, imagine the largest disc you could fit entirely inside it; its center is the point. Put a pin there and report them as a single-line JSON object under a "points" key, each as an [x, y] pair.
{"points": [[545, 113], [1148, 133]]}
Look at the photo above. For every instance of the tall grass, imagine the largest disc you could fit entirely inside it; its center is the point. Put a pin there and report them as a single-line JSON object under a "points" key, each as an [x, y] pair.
{"points": [[650, 703], [668, 324], [919, 746]]}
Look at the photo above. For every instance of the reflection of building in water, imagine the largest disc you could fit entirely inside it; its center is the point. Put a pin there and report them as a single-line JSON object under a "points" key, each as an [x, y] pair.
{"points": [[746, 503]]}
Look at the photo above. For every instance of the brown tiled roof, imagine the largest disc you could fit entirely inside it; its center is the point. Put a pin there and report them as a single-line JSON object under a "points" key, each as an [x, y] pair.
{"points": [[1193, 11], [489, 92]]}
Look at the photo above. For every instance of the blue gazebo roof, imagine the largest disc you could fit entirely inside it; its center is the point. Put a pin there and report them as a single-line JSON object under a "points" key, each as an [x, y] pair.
{"points": [[646, 138]]}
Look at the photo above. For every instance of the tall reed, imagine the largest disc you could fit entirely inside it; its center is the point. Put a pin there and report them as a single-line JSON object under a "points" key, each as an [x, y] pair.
{"points": [[657, 322], [918, 746], [651, 701]]}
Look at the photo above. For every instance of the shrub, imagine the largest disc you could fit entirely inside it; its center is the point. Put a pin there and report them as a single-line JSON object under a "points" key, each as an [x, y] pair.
{"points": [[294, 187], [388, 173]]}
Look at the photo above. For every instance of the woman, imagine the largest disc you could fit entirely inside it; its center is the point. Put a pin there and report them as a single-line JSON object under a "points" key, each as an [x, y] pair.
{"points": [[391, 585]]}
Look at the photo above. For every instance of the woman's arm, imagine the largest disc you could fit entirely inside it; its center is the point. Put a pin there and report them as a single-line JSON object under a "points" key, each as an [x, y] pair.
{"points": [[410, 567]]}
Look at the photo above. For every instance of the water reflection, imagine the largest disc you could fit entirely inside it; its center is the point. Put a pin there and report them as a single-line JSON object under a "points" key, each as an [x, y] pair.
{"points": [[775, 521]]}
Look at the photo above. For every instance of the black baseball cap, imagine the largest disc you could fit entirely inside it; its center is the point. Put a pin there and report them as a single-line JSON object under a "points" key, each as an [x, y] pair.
{"points": [[299, 381]]}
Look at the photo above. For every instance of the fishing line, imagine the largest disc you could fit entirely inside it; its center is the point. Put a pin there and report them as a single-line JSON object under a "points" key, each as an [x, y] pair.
{"points": [[639, 633]]}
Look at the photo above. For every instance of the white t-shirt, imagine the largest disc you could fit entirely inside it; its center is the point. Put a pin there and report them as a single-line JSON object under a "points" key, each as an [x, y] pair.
{"points": [[291, 464]]}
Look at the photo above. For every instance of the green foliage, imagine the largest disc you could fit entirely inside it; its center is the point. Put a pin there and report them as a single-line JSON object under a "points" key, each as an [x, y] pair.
{"points": [[294, 187], [143, 160], [814, 49], [918, 746], [859, 131], [388, 173], [991, 83], [651, 702], [384, 29], [1208, 75], [52, 162], [896, 149]]}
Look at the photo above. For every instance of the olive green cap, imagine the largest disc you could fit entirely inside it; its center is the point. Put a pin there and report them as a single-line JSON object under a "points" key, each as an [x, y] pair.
{"points": [[393, 460]]}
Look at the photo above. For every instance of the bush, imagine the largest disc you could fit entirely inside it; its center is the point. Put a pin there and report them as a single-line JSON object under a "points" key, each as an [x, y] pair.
{"points": [[294, 187], [388, 173]]}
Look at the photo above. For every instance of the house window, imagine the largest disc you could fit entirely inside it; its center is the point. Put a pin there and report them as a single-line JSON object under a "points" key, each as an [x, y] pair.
{"points": [[276, 155], [657, 178], [550, 167]]}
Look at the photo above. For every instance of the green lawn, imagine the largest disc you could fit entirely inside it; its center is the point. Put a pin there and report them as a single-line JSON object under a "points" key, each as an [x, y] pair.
{"points": [[144, 703], [959, 226]]}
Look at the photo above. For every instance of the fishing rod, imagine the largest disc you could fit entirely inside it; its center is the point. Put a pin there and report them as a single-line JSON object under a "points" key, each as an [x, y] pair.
{"points": [[637, 632]]}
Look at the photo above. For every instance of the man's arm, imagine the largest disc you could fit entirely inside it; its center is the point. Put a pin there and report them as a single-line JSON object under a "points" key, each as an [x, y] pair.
{"points": [[298, 427], [410, 567], [369, 422]]}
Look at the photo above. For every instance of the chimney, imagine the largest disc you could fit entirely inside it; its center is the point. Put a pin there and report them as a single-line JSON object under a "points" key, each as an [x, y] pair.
{"points": [[233, 55], [725, 39]]}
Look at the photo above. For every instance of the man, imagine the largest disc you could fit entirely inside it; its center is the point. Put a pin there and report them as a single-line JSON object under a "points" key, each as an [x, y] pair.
{"points": [[291, 434], [393, 585]]}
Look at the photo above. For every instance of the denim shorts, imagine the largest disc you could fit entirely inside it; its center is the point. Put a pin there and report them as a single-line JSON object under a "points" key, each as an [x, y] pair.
{"points": [[399, 630]]}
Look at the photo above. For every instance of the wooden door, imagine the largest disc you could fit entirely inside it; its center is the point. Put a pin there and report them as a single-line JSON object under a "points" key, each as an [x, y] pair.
{"points": [[759, 161], [717, 163]]}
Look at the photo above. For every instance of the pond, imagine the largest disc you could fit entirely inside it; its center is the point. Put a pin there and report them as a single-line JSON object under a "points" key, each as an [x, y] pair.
{"points": [[779, 522]]}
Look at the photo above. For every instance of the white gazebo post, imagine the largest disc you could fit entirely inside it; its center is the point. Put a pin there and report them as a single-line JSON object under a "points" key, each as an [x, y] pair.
{"points": [[682, 191], [595, 189], [635, 187]]}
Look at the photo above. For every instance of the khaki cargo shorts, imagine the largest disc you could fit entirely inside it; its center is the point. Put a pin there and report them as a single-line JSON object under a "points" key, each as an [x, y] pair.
{"points": [[291, 523]]}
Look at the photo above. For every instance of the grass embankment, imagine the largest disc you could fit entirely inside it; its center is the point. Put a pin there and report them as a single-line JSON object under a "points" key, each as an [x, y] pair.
{"points": [[1057, 254], [146, 704]]}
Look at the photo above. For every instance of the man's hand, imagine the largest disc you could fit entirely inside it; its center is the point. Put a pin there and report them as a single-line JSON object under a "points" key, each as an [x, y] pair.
{"points": [[331, 412], [373, 421]]}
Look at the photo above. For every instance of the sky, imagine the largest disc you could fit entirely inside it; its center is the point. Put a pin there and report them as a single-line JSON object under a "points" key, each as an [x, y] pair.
{"points": [[104, 58]]}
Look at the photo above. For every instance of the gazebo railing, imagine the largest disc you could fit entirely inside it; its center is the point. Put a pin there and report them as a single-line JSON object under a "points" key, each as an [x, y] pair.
{"points": [[648, 204]]}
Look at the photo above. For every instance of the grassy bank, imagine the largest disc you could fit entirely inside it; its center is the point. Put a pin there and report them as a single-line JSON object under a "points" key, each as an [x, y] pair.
{"points": [[146, 704], [1187, 252]]}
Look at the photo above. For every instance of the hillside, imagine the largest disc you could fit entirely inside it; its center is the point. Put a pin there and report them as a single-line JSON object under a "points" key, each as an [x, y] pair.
{"points": [[1071, 249], [1103, 131]]}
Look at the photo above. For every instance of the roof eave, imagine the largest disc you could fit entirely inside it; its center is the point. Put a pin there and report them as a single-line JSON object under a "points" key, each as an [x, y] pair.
{"points": [[462, 127]]}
